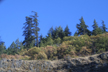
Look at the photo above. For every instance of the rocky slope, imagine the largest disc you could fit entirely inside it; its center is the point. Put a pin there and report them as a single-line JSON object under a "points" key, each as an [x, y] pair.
{"points": [[94, 63]]}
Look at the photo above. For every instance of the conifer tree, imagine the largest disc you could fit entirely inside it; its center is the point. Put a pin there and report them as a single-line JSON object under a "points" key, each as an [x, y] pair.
{"points": [[82, 27], [12, 49], [41, 41], [50, 40], [103, 27], [60, 32], [28, 32], [51, 31], [76, 33], [56, 33], [36, 29], [67, 32], [95, 25], [96, 29], [2, 47], [18, 45]]}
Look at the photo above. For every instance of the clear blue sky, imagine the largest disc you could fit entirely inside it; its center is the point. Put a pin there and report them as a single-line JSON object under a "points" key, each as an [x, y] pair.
{"points": [[51, 13]]}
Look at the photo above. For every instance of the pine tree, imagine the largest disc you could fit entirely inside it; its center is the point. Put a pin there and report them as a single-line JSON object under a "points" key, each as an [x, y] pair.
{"points": [[96, 29], [76, 33], [82, 27], [51, 31], [17, 45], [41, 41], [67, 32], [36, 29], [89, 32], [61, 33], [56, 33], [12, 49], [50, 40], [95, 25], [103, 27], [2, 47], [28, 31]]}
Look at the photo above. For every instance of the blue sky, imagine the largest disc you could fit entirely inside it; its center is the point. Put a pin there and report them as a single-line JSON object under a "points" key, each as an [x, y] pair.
{"points": [[51, 13]]}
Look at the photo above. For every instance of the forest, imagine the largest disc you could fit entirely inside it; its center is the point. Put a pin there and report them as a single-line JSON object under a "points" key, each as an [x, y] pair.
{"points": [[58, 43]]}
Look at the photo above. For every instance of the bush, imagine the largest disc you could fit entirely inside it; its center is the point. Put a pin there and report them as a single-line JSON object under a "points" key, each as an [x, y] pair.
{"points": [[33, 51], [101, 50], [25, 57], [50, 51], [22, 52], [41, 55], [85, 51]]}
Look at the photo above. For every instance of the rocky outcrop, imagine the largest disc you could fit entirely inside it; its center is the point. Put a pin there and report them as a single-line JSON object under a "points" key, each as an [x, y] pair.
{"points": [[94, 63]]}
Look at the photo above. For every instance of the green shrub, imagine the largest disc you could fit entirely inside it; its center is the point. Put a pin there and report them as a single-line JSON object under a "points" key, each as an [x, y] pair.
{"points": [[41, 55], [32, 51]]}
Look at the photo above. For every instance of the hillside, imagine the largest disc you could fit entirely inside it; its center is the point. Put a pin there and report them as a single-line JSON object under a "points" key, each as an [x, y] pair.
{"points": [[93, 63], [74, 54]]}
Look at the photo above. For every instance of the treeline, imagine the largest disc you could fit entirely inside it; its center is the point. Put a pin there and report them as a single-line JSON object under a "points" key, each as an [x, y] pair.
{"points": [[55, 36]]}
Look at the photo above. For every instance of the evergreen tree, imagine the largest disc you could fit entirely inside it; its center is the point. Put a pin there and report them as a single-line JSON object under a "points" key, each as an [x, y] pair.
{"points": [[56, 33], [2, 48], [96, 29], [103, 27], [89, 32], [12, 49], [36, 29], [60, 32], [82, 27], [67, 32], [28, 33], [57, 41], [95, 25], [49, 40], [51, 31], [19, 45], [41, 41], [76, 33]]}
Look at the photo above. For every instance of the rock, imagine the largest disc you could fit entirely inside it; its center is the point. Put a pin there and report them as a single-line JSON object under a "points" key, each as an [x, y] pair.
{"points": [[104, 56], [91, 58], [97, 63]]}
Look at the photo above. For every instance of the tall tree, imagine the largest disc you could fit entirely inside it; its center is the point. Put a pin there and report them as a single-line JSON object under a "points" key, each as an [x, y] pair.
{"points": [[103, 27], [2, 48], [28, 32], [67, 32], [51, 31], [96, 29], [56, 33], [76, 33], [82, 27], [15, 47], [12, 49], [36, 29], [95, 25], [19, 45], [40, 40], [49, 40], [60, 32]]}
